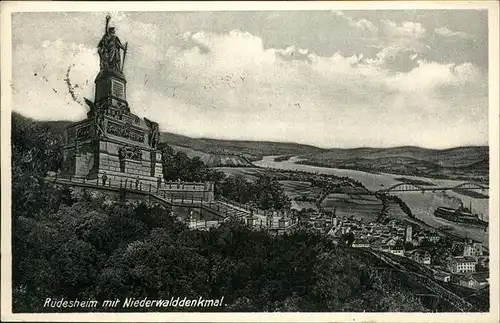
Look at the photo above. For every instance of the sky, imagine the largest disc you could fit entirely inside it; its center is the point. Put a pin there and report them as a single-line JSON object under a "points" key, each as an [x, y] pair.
{"points": [[331, 79]]}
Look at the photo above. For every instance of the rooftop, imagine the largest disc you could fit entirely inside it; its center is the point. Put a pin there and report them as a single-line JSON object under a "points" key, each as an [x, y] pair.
{"points": [[361, 241], [479, 278], [464, 259], [419, 252], [442, 274]]}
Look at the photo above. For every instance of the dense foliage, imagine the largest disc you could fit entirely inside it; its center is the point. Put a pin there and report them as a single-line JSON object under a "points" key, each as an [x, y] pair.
{"points": [[178, 166], [74, 244], [96, 248], [282, 158], [386, 198], [265, 192]]}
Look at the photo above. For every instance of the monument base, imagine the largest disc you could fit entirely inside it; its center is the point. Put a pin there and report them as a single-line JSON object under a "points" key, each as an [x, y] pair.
{"points": [[92, 158]]}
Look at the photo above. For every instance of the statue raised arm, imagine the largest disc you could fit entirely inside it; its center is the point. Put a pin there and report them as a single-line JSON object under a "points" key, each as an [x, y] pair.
{"points": [[109, 49], [108, 18]]}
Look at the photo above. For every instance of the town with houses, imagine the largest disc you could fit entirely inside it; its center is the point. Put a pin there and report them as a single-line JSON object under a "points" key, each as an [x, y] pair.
{"points": [[465, 265], [467, 269]]}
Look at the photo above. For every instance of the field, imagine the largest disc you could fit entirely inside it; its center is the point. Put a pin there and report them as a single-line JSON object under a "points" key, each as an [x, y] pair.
{"points": [[350, 200], [250, 173], [211, 159], [362, 207], [300, 189]]}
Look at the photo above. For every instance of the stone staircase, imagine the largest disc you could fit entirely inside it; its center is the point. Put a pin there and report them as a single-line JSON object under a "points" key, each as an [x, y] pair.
{"points": [[222, 208]]}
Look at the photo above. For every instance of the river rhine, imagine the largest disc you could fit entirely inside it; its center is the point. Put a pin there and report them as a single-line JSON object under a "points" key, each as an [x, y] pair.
{"points": [[421, 204]]}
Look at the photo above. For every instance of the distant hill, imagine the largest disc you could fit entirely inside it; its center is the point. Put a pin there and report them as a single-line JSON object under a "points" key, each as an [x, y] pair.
{"points": [[458, 163], [55, 126], [213, 160], [484, 164], [215, 152], [453, 157], [212, 152]]}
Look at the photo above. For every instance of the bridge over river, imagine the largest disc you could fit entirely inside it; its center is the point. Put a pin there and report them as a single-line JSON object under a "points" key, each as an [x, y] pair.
{"points": [[406, 187]]}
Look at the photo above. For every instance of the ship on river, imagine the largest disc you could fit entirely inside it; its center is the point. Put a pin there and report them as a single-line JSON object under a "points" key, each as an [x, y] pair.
{"points": [[460, 215]]}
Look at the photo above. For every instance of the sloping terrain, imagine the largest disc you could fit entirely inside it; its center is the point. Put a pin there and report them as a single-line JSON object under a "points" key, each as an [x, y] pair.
{"points": [[214, 160], [178, 142], [214, 152], [461, 162], [57, 127], [453, 157], [253, 150]]}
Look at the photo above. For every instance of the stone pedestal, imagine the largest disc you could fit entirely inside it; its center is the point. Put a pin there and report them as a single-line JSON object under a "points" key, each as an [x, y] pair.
{"points": [[93, 157]]}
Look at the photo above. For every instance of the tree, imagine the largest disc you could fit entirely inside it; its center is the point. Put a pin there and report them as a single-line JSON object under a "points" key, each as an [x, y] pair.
{"points": [[237, 188], [400, 302], [75, 264], [178, 166], [347, 239], [270, 194]]}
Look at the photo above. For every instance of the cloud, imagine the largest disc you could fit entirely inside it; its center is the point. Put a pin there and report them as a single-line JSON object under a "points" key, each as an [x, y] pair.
{"points": [[445, 32], [431, 76], [398, 43], [361, 24], [230, 85], [406, 29], [292, 52]]}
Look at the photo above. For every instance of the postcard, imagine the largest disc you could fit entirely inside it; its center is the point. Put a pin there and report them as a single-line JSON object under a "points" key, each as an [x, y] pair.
{"points": [[250, 161]]}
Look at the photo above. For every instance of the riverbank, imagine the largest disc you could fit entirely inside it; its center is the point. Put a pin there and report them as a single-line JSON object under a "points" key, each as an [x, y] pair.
{"points": [[461, 163], [422, 205]]}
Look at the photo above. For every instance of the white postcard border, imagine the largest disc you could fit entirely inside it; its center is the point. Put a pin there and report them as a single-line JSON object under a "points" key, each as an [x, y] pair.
{"points": [[6, 76]]}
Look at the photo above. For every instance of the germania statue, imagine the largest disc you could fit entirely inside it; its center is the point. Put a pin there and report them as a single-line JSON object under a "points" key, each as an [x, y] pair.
{"points": [[109, 49]]}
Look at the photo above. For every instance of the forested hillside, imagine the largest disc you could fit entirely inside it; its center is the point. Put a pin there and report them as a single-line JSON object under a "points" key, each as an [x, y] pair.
{"points": [[75, 244]]}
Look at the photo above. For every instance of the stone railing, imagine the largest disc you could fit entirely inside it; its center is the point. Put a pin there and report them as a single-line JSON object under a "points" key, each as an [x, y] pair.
{"points": [[191, 186], [226, 208], [248, 208], [184, 197]]}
